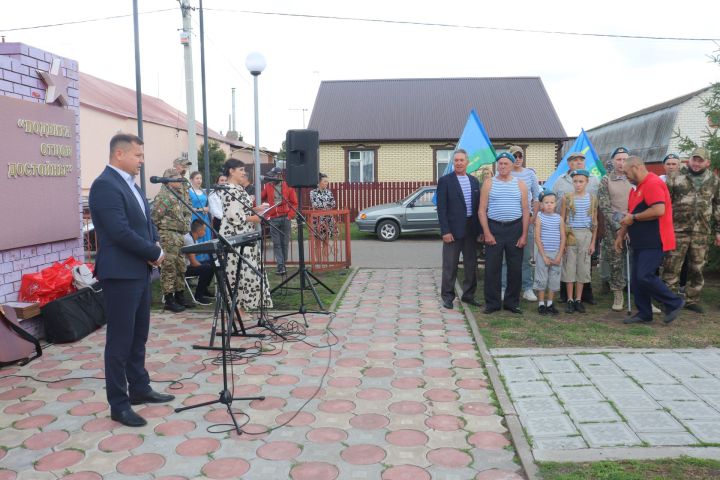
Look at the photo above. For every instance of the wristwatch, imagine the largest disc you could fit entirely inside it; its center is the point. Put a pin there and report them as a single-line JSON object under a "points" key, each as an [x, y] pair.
{"points": [[634, 217]]}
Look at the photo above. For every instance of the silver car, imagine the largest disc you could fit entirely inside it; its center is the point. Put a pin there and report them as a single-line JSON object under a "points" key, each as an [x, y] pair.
{"points": [[414, 213]]}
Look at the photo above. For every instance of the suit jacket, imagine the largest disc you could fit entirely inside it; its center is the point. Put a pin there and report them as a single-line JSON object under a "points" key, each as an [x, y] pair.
{"points": [[451, 209], [125, 236]]}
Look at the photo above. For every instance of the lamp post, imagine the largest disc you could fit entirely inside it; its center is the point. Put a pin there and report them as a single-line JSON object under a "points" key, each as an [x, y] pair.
{"points": [[255, 63]]}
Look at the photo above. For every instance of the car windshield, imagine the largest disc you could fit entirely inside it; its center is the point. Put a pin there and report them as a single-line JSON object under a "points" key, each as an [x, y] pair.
{"points": [[407, 199]]}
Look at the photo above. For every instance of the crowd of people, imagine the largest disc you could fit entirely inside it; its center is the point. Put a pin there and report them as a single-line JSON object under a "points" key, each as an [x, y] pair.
{"points": [[540, 243]]}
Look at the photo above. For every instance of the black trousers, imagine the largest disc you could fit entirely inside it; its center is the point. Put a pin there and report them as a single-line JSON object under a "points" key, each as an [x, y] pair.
{"points": [[127, 303], [450, 260], [646, 285], [204, 272], [506, 237]]}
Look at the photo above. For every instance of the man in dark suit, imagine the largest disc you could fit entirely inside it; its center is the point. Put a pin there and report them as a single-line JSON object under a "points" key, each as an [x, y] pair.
{"points": [[128, 248], [458, 198]]}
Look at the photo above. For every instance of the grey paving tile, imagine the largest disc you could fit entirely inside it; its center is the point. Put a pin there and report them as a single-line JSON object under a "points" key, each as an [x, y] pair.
{"points": [[608, 434], [578, 394], [609, 385], [593, 412], [653, 422], [708, 361], [634, 401], [555, 364], [567, 379], [535, 405], [514, 362], [702, 385], [631, 361], [559, 443], [653, 376], [713, 399], [608, 370], [670, 392], [521, 374], [668, 439], [707, 431], [594, 359], [691, 410], [550, 426], [529, 389]]}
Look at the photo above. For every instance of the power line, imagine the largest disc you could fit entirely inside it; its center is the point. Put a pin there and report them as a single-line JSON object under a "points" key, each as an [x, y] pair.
{"points": [[87, 20], [472, 27]]}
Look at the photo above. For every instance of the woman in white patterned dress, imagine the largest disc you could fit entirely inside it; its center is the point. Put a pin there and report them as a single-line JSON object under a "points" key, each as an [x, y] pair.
{"points": [[239, 218]]}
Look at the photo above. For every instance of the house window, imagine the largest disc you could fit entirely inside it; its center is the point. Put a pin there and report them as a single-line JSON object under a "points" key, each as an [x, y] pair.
{"points": [[442, 159], [361, 165]]}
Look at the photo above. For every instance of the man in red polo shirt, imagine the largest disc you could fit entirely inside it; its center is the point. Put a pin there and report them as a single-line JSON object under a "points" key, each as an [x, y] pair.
{"points": [[650, 228], [274, 191]]}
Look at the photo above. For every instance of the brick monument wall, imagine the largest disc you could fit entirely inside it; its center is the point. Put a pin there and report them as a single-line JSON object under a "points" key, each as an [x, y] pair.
{"points": [[19, 79]]}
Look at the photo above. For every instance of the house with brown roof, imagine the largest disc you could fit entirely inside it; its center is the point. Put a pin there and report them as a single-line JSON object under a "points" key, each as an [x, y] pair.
{"points": [[392, 130], [107, 108], [650, 132]]}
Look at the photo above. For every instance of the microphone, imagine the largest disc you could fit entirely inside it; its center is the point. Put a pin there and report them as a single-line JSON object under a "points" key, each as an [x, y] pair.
{"points": [[221, 187], [155, 179], [266, 178]]}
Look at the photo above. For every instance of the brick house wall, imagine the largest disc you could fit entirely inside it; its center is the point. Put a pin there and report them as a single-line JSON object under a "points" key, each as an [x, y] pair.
{"points": [[691, 121], [405, 161], [18, 79]]}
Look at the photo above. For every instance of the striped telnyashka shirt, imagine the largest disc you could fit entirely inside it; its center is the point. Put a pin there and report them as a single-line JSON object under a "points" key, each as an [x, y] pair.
{"points": [[550, 231], [504, 202], [581, 218]]}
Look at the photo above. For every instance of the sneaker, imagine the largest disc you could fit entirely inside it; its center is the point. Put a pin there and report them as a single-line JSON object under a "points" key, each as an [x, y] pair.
{"points": [[655, 309], [542, 310], [552, 310], [579, 307], [529, 295], [695, 307], [570, 307], [203, 299]]}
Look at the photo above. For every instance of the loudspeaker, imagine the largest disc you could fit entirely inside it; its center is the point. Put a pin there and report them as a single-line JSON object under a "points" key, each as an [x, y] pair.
{"points": [[302, 162]]}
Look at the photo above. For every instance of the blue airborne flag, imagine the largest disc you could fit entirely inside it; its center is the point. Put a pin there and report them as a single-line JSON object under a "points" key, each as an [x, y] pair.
{"points": [[475, 141], [592, 160]]}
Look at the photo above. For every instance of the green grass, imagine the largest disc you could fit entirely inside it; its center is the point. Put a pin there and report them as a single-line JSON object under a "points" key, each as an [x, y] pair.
{"points": [[668, 469], [284, 298], [600, 327]]}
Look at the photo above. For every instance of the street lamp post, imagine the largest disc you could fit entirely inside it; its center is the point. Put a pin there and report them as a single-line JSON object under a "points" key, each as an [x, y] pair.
{"points": [[255, 63]]}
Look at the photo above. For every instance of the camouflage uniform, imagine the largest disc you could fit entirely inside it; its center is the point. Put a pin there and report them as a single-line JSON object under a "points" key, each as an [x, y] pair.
{"points": [[172, 219], [613, 204], [696, 216]]}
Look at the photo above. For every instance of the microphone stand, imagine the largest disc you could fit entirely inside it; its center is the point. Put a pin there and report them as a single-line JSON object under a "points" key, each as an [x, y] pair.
{"points": [[262, 319], [302, 271], [222, 247]]}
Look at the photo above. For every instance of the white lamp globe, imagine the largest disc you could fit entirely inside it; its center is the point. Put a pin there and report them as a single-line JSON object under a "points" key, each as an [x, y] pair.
{"points": [[255, 63]]}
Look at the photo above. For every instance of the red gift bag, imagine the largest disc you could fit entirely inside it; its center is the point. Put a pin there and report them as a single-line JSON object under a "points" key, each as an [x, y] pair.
{"points": [[48, 284]]}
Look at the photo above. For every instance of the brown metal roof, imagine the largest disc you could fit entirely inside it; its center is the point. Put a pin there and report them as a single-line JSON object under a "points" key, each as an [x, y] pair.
{"points": [[654, 108], [434, 109], [121, 101]]}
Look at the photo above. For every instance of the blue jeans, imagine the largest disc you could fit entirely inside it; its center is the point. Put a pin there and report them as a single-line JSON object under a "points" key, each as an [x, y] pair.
{"points": [[527, 269]]}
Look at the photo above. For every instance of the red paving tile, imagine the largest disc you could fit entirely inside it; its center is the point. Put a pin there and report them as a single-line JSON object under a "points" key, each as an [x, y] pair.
{"points": [[371, 389]]}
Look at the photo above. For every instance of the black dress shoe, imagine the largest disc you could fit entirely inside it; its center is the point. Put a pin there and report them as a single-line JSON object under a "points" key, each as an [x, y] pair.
{"points": [[672, 314], [151, 397], [472, 301], [447, 304], [489, 310], [636, 319], [128, 418], [512, 309]]}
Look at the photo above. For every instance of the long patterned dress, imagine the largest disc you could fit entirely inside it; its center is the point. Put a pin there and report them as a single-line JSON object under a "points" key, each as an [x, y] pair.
{"points": [[323, 200], [234, 223]]}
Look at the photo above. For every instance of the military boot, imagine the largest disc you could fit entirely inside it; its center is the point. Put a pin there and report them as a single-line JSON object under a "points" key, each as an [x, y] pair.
{"points": [[180, 299], [618, 300], [172, 305]]}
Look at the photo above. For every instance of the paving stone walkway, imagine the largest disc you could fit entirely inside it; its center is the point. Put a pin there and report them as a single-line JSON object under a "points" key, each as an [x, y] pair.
{"points": [[405, 397], [624, 399]]}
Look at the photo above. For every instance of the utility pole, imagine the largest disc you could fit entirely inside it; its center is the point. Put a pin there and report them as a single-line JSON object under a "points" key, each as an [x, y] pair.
{"points": [[185, 39], [303, 110]]}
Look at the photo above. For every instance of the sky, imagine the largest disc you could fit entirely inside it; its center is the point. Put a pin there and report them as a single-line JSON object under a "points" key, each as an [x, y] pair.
{"points": [[590, 80]]}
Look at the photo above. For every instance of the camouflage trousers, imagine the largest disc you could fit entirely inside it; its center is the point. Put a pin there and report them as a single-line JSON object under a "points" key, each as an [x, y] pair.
{"points": [[696, 246], [616, 261], [172, 269]]}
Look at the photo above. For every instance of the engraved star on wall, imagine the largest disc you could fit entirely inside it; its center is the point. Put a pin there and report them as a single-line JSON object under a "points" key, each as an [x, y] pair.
{"points": [[57, 84]]}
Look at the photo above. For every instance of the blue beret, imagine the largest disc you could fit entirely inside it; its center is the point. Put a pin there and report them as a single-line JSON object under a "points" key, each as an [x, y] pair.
{"points": [[580, 172], [619, 150], [505, 155], [669, 156]]}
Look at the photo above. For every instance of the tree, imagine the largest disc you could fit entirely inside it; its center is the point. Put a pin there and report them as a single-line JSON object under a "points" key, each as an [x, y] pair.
{"points": [[711, 108], [217, 158], [282, 153]]}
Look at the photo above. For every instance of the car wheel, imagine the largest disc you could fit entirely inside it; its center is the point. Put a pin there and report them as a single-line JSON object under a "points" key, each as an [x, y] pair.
{"points": [[388, 230]]}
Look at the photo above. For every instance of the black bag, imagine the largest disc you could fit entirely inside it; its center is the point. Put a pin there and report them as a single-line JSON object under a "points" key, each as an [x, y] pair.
{"points": [[74, 316]]}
